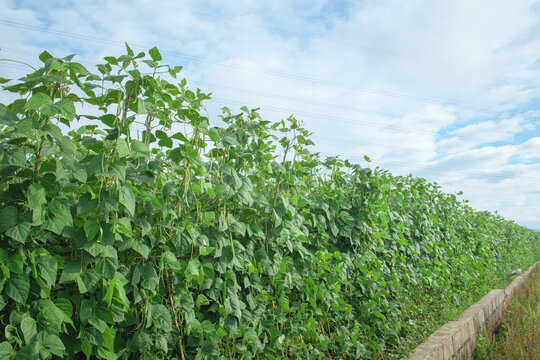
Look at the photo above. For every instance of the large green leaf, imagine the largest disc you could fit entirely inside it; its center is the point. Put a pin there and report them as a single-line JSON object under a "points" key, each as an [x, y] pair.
{"points": [[139, 148], [29, 351], [149, 278], [38, 101], [65, 108], [15, 263], [51, 344], [106, 354], [6, 350], [88, 281], [91, 229], [108, 339], [15, 157], [86, 310], [36, 196], [8, 217], [86, 348], [161, 318], [86, 204], [29, 329], [97, 165], [20, 232], [47, 267], [122, 148], [154, 53], [64, 305], [49, 317], [17, 287], [127, 198], [56, 224], [72, 270], [107, 267]]}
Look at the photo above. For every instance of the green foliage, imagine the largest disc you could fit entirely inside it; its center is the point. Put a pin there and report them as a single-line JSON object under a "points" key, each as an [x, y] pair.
{"points": [[213, 242]]}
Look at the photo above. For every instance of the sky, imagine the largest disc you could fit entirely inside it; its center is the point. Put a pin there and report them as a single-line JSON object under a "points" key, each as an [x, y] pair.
{"points": [[448, 90]]}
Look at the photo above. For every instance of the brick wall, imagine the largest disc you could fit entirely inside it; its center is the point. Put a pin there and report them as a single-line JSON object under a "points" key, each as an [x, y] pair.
{"points": [[456, 339]]}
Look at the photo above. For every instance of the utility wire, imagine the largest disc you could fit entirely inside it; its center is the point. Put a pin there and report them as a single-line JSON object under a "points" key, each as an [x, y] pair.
{"points": [[405, 164], [258, 26], [318, 116], [292, 99], [333, 118], [435, 167], [268, 71], [358, 122], [364, 142]]}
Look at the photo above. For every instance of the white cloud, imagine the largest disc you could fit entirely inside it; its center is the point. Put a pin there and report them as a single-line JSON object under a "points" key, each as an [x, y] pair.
{"points": [[402, 76]]}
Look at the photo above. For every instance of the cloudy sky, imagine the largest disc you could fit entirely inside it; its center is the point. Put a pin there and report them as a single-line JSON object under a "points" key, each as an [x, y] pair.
{"points": [[448, 90]]}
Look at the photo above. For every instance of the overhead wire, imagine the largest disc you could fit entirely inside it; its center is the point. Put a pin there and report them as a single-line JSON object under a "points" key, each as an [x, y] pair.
{"points": [[339, 119], [419, 166], [333, 118], [324, 117], [321, 82], [435, 167], [354, 109], [268, 71], [360, 122]]}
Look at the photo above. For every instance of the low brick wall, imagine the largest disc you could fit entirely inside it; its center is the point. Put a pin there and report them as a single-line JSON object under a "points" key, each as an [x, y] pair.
{"points": [[456, 339]]}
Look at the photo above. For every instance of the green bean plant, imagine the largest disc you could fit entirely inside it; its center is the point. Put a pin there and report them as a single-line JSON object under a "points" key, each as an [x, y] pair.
{"points": [[133, 226]]}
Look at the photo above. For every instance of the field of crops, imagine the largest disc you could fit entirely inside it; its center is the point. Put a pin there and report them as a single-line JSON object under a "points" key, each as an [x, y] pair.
{"points": [[195, 241]]}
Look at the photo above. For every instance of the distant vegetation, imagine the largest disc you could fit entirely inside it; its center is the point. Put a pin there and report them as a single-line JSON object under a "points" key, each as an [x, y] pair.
{"points": [[190, 240]]}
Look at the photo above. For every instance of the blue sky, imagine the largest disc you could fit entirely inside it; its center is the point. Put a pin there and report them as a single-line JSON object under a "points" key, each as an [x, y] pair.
{"points": [[448, 90]]}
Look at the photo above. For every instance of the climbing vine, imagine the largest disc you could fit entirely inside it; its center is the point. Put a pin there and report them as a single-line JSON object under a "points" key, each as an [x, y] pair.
{"points": [[132, 226]]}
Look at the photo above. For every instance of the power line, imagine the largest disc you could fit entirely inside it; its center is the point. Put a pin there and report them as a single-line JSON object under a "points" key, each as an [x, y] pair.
{"points": [[406, 56], [362, 142], [257, 26], [246, 91], [339, 119], [407, 164], [255, 92], [431, 167], [268, 71], [292, 99], [13, 66], [359, 122], [364, 123]]}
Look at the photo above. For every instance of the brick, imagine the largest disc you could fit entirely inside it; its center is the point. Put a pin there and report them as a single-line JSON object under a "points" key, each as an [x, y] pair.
{"points": [[435, 353], [461, 335], [448, 348], [499, 298], [486, 298], [443, 340], [479, 321], [517, 283], [447, 328], [461, 354], [420, 352], [472, 329], [471, 344], [509, 292], [488, 309]]}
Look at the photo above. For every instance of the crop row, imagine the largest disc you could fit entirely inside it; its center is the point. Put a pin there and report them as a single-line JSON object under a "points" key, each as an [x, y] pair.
{"points": [[187, 239]]}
